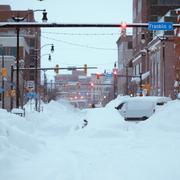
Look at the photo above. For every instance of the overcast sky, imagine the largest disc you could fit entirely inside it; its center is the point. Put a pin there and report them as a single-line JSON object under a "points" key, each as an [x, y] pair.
{"points": [[76, 47]]}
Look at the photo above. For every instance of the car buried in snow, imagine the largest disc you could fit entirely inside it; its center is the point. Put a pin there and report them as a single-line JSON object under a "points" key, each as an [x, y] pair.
{"points": [[140, 108]]}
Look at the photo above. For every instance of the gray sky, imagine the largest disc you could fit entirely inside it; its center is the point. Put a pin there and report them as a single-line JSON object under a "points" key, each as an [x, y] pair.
{"points": [[76, 47]]}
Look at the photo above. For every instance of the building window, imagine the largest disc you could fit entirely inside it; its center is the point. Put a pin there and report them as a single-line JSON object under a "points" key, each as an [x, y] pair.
{"points": [[13, 51], [139, 6], [129, 44], [140, 68], [32, 42], [137, 69]]}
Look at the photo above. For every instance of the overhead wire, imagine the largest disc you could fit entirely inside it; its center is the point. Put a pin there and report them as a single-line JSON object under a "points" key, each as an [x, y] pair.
{"points": [[78, 45], [81, 34]]}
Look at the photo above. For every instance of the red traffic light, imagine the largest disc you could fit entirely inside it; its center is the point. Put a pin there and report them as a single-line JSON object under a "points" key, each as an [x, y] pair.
{"points": [[92, 84], [115, 73], [123, 25], [97, 75]]}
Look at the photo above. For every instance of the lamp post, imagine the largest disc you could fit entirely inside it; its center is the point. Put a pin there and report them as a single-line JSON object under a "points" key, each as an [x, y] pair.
{"points": [[19, 19], [36, 66], [36, 77], [115, 80]]}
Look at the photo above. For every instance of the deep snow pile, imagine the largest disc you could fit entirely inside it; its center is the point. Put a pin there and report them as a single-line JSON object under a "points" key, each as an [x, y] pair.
{"points": [[53, 145]]}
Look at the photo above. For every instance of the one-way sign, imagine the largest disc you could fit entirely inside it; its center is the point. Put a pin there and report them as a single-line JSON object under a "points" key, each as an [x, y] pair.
{"points": [[166, 26]]}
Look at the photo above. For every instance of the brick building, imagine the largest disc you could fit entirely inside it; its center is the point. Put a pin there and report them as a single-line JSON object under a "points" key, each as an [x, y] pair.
{"points": [[154, 52], [145, 11], [29, 40], [159, 58]]}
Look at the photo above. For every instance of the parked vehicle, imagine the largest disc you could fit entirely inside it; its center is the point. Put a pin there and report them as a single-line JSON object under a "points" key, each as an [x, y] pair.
{"points": [[140, 108]]}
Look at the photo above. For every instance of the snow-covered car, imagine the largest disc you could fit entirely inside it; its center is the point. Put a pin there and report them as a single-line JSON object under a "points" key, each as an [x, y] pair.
{"points": [[18, 111], [140, 108]]}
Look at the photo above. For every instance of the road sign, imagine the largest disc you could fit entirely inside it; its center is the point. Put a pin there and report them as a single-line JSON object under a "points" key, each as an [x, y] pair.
{"points": [[166, 26], [30, 84], [32, 95], [108, 75], [1, 90]]}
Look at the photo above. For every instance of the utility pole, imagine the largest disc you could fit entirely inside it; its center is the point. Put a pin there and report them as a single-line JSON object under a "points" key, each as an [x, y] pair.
{"points": [[126, 80], [140, 84], [17, 69], [36, 81], [164, 67], [11, 99]]}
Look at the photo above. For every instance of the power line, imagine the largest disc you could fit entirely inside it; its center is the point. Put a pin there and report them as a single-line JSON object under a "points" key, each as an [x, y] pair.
{"points": [[102, 64], [81, 34], [79, 45]]}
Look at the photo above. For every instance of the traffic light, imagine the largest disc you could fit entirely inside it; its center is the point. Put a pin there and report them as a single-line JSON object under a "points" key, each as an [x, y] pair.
{"points": [[92, 84], [143, 38], [4, 72], [123, 25], [115, 73], [56, 69], [97, 75], [85, 69], [123, 29]]}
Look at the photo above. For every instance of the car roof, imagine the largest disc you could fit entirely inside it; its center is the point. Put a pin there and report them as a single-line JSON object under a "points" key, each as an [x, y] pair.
{"points": [[156, 99]]}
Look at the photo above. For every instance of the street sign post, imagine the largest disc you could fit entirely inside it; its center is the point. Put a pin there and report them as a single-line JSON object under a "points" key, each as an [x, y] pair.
{"points": [[166, 26]]}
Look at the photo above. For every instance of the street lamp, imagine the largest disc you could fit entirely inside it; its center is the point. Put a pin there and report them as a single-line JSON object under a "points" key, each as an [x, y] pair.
{"points": [[19, 19], [115, 80], [36, 76], [36, 66], [52, 47]]}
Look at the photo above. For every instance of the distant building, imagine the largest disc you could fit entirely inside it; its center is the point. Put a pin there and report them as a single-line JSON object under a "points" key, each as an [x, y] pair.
{"points": [[74, 87], [102, 88]]}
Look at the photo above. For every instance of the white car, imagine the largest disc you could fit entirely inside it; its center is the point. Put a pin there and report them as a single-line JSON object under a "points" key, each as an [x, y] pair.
{"points": [[140, 108]]}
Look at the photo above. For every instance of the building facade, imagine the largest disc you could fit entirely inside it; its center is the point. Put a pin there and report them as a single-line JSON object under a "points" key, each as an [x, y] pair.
{"points": [[29, 41], [154, 52], [145, 11], [125, 52]]}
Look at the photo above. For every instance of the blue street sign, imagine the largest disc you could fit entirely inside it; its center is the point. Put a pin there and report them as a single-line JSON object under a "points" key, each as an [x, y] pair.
{"points": [[12, 84], [1, 90], [166, 26], [109, 75], [32, 95]]}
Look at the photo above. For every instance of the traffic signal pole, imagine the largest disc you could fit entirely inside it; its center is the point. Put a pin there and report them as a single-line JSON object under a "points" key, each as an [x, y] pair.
{"points": [[55, 68], [60, 25]]}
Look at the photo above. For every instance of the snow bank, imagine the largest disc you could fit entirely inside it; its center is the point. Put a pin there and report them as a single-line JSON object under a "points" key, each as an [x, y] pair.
{"points": [[107, 148], [167, 118]]}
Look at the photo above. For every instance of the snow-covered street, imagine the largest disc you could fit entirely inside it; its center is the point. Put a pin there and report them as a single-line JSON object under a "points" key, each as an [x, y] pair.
{"points": [[51, 145]]}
